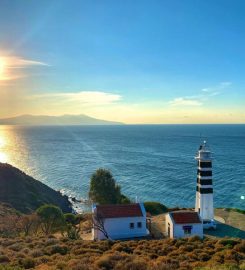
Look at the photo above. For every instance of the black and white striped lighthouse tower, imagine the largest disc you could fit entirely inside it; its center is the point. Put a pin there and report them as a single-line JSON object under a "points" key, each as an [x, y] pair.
{"points": [[204, 190]]}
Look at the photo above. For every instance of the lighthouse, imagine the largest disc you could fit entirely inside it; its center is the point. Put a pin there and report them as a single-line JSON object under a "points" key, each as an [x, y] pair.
{"points": [[204, 189]]}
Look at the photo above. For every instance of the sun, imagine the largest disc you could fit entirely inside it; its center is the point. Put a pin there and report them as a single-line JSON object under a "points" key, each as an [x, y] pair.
{"points": [[2, 66]]}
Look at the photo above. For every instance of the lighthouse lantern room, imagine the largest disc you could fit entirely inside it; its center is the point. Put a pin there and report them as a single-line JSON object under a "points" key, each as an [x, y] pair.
{"points": [[204, 190]]}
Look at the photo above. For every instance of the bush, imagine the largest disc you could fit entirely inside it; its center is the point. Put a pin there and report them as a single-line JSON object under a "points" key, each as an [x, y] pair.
{"points": [[51, 218], [124, 199], [7, 267], [16, 247], [204, 257], [71, 219], [65, 254], [228, 242], [240, 247], [132, 265], [61, 249], [27, 263], [36, 253], [155, 208], [105, 262], [4, 259]]}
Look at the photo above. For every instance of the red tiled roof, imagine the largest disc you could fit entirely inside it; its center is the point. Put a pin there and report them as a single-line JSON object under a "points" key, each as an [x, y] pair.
{"points": [[119, 210], [185, 217]]}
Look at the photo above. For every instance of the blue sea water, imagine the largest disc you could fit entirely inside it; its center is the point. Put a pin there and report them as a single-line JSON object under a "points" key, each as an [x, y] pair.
{"points": [[152, 162]]}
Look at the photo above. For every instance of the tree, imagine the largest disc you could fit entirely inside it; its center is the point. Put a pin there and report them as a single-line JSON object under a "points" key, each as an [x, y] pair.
{"points": [[29, 223], [99, 223], [72, 226], [103, 188], [71, 219], [51, 218]]}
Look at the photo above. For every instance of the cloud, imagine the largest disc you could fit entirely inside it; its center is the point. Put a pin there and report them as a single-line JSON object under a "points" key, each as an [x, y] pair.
{"points": [[83, 97], [205, 89], [220, 86], [182, 101], [14, 67], [18, 62], [225, 84], [198, 100]]}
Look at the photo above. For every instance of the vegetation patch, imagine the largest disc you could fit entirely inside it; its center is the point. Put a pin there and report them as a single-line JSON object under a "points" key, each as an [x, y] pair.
{"points": [[236, 210], [155, 208], [165, 254]]}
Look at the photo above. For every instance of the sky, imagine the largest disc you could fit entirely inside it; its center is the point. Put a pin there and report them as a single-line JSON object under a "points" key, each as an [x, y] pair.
{"points": [[143, 62]]}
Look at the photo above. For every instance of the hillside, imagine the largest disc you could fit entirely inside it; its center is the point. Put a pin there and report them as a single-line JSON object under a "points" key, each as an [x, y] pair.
{"points": [[44, 253], [26, 194], [55, 120]]}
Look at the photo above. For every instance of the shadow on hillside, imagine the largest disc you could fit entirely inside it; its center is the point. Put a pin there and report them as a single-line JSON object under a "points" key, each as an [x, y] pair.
{"points": [[226, 230]]}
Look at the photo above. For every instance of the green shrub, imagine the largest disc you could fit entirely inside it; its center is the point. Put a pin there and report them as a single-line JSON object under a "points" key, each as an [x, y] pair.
{"points": [[228, 242], [61, 249], [60, 266], [136, 264], [203, 257], [4, 259], [70, 218], [240, 247], [105, 262], [36, 253], [16, 247], [72, 232], [27, 263], [155, 208], [51, 218], [124, 199], [8, 267]]}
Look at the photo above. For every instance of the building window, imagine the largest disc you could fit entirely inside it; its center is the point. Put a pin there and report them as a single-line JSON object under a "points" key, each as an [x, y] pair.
{"points": [[139, 224], [187, 230], [131, 225]]}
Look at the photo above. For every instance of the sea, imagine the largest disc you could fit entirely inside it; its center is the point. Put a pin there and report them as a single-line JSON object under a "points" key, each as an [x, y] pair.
{"points": [[150, 162]]}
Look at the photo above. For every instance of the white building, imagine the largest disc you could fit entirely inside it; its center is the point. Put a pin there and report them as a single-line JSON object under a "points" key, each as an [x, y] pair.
{"points": [[122, 221], [181, 224], [204, 190]]}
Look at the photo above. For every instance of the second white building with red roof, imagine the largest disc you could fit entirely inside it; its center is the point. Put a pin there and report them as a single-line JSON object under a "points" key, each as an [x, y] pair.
{"points": [[182, 224]]}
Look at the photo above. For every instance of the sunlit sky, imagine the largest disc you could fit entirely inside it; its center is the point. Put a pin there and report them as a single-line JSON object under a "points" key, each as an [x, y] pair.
{"points": [[175, 61]]}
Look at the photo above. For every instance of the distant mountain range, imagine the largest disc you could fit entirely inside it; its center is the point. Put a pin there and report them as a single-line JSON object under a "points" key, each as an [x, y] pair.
{"points": [[66, 119]]}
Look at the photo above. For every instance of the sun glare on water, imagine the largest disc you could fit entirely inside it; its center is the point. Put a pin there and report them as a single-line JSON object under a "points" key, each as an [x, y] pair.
{"points": [[3, 155]]}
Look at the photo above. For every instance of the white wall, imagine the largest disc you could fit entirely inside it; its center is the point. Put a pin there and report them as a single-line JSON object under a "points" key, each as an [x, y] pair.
{"points": [[176, 230], [205, 203], [169, 221], [197, 229], [119, 228]]}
